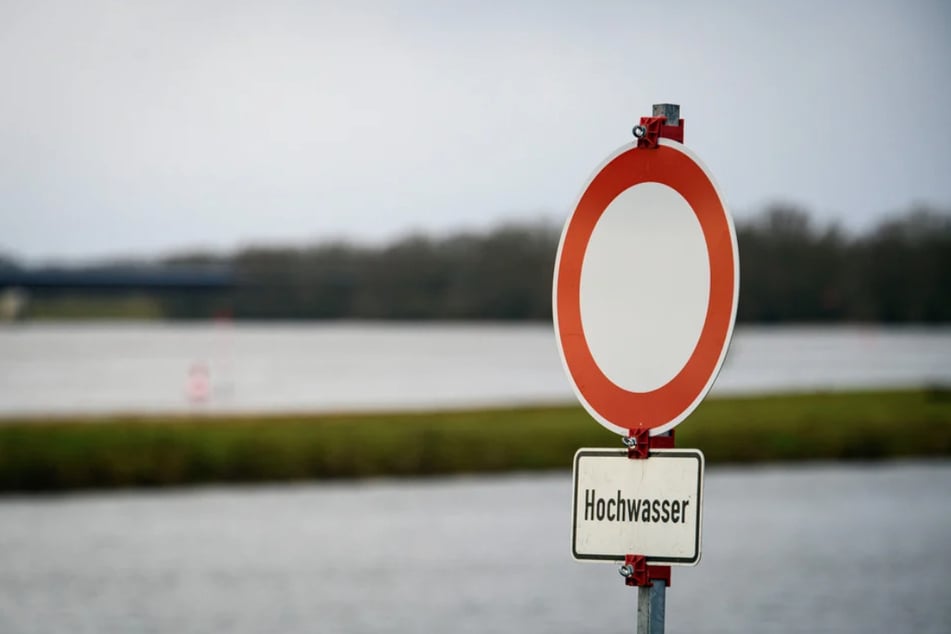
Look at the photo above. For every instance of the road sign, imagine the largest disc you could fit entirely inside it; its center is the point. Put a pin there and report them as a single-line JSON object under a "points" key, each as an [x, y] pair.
{"points": [[645, 288], [651, 507]]}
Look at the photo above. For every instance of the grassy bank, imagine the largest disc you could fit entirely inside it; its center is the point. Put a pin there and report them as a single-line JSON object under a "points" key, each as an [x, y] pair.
{"points": [[157, 451]]}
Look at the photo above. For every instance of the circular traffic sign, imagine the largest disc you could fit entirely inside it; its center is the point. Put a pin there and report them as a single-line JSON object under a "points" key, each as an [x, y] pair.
{"points": [[645, 288]]}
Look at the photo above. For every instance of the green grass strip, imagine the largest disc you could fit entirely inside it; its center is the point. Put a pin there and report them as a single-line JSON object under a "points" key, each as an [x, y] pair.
{"points": [[55, 455]]}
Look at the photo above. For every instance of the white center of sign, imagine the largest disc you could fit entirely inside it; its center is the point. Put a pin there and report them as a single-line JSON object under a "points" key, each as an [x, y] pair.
{"points": [[645, 286]]}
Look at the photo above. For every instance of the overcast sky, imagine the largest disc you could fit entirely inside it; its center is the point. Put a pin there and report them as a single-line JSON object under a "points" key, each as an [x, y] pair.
{"points": [[133, 127]]}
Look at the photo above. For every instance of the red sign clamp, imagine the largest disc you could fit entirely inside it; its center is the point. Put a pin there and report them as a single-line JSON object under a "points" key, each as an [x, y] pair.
{"points": [[638, 573], [665, 122], [639, 443]]}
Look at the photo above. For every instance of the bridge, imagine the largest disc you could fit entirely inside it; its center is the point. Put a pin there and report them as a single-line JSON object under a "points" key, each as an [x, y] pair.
{"points": [[117, 280], [16, 284]]}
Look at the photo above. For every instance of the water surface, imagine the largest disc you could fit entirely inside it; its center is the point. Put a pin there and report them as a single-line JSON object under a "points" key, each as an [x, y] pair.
{"points": [[828, 548], [176, 367]]}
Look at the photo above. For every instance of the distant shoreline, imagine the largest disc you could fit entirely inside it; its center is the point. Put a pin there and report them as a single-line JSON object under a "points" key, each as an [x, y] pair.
{"points": [[103, 452]]}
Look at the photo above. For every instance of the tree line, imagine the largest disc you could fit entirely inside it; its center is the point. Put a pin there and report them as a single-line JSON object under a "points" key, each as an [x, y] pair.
{"points": [[791, 270]]}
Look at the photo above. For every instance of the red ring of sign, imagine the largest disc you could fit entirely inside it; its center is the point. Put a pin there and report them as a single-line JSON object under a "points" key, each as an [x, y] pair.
{"points": [[653, 409]]}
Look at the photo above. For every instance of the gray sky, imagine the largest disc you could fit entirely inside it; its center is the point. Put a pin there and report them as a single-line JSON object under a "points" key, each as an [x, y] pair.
{"points": [[132, 127]]}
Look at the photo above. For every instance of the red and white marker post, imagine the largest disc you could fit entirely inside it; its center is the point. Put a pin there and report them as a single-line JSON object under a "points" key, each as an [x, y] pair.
{"points": [[644, 300]]}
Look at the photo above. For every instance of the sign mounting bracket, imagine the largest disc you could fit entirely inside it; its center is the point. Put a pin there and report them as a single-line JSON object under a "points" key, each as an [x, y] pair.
{"points": [[639, 443], [665, 122], [638, 573]]}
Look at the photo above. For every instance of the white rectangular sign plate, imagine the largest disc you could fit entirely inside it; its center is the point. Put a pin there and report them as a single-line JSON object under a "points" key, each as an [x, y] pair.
{"points": [[650, 506]]}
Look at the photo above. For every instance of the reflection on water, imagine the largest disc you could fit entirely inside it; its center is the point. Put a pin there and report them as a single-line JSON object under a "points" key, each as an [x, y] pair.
{"points": [[811, 549], [149, 367]]}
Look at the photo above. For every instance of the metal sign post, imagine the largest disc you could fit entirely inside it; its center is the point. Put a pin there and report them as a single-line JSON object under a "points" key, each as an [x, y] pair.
{"points": [[651, 608], [644, 300]]}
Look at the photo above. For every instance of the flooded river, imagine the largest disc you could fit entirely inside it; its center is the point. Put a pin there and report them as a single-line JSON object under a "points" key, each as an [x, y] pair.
{"points": [[821, 548]]}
